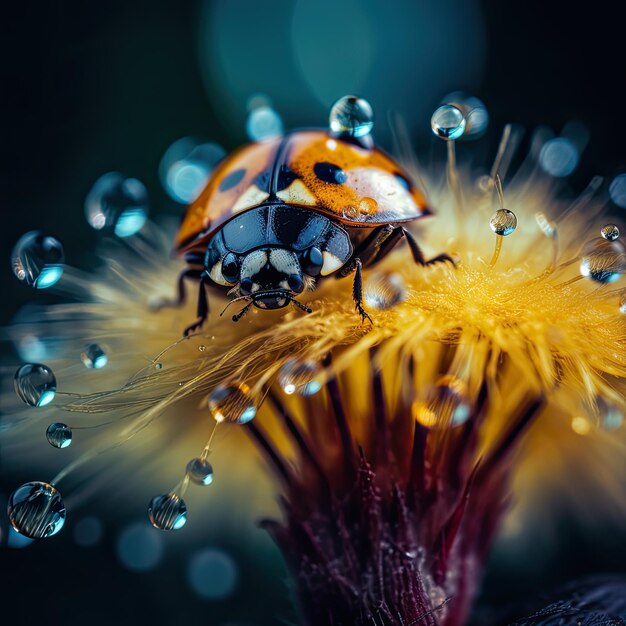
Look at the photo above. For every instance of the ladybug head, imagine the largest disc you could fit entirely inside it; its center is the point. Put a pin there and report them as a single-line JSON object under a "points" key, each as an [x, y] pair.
{"points": [[271, 277]]}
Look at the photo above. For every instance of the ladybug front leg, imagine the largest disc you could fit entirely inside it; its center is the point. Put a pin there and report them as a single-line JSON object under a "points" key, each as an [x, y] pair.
{"points": [[418, 255], [203, 306], [357, 291]]}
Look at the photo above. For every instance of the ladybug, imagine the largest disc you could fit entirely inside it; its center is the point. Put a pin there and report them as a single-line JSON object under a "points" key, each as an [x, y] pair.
{"points": [[279, 215]]}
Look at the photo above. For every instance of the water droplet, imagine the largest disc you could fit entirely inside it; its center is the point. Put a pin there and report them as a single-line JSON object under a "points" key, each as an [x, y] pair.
{"points": [[610, 232], [617, 190], [581, 425], [36, 510], [301, 377], [117, 204], [212, 574], [158, 365], [37, 259], [186, 167], [232, 403], [94, 357], [35, 384], [384, 291], [167, 512], [446, 404], [474, 111], [622, 304], [201, 348], [200, 471], [263, 123], [503, 222], [59, 435], [558, 157], [547, 227], [352, 116], [447, 122], [603, 261], [611, 416]]}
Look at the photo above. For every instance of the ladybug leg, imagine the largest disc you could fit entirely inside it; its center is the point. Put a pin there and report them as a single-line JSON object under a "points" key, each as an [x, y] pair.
{"points": [[418, 255], [357, 291], [181, 292], [368, 250], [203, 306]]}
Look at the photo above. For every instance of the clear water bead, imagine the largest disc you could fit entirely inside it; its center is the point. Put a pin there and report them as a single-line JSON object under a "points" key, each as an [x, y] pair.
{"points": [[384, 291], [59, 435], [447, 122], [232, 403], [35, 384], [622, 304], [36, 510], [117, 204], [610, 232], [37, 259], [301, 377], [604, 261], [200, 471], [448, 399], [474, 111], [352, 116], [186, 167], [167, 512], [94, 356], [503, 222]]}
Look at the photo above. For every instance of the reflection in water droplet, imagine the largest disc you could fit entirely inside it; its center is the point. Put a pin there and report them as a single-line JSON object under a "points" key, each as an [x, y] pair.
{"points": [[351, 116], [384, 291], [447, 122], [94, 356], [300, 377], [232, 403], [201, 348], [88, 532], [474, 111], [445, 405], [167, 512], [158, 365], [610, 232], [117, 204], [503, 222], [200, 471], [212, 574], [35, 384], [36, 510], [59, 435], [603, 261], [611, 416], [37, 260], [139, 548], [558, 157], [547, 227], [622, 304], [186, 167]]}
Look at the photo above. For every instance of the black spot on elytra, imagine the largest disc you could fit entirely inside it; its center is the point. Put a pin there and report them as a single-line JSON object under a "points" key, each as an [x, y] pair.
{"points": [[234, 178], [330, 173]]}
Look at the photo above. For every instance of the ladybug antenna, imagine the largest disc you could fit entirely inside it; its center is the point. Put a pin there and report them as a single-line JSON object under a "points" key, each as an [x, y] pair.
{"points": [[243, 311], [305, 308], [234, 300]]}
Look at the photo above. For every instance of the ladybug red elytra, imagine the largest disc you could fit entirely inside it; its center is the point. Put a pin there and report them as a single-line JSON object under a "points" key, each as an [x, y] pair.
{"points": [[279, 215]]}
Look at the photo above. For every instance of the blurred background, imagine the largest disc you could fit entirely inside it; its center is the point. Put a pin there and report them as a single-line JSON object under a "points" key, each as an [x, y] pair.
{"points": [[92, 87]]}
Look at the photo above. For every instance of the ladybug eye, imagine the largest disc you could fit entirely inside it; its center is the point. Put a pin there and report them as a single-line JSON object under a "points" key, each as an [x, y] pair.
{"points": [[230, 268], [330, 173], [312, 261]]}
